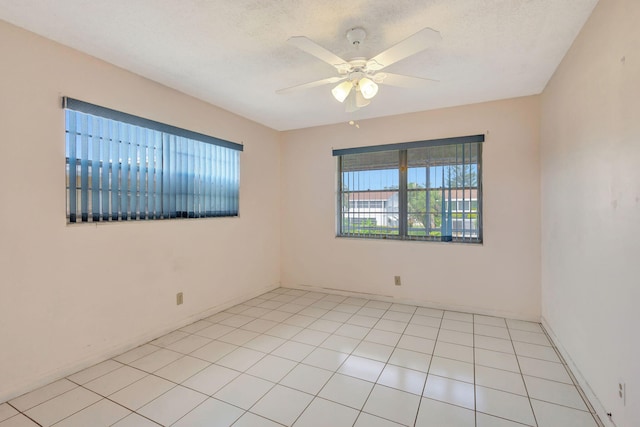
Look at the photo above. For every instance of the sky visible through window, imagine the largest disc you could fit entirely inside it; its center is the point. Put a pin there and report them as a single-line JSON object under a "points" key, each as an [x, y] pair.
{"points": [[387, 179]]}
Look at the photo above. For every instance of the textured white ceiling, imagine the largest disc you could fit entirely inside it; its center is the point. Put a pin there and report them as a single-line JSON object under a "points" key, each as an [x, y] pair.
{"points": [[234, 54]]}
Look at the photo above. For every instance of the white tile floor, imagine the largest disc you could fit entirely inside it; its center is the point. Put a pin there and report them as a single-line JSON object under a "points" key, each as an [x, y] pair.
{"points": [[304, 359]]}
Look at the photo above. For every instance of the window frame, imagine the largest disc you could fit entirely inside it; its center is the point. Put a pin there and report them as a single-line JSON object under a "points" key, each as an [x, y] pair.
{"points": [[403, 192]]}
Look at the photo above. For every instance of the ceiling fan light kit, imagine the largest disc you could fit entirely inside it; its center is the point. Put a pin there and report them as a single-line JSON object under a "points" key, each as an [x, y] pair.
{"points": [[367, 87], [359, 77], [341, 91]]}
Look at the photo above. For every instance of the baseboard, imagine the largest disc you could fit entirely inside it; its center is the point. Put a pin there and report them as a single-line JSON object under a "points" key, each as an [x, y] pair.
{"points": [[593, 403], [90, 360], [421, 303]]}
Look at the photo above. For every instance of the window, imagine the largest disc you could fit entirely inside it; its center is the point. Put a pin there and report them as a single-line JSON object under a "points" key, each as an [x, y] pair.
{"points": [[424, 190], [122, 167]]}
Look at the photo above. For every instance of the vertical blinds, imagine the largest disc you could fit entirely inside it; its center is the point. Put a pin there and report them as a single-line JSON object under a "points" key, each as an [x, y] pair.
{"points": [[123, 167]]}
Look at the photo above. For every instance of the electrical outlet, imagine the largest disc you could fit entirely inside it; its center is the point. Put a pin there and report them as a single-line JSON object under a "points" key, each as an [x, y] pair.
{"points": [[397, 280], [179, 298], [622, 392]]}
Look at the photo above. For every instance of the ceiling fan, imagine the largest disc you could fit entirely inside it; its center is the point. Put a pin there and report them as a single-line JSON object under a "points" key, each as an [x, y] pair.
{"points": [[359, 76]]}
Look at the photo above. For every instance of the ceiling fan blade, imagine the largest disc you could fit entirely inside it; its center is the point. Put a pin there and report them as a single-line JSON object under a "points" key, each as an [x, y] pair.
{"points": [[310, 85], [407, 47], [316, 50], [401, 80]]}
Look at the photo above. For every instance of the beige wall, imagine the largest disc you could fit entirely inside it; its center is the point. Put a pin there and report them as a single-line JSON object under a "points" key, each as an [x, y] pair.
{"points": [[72, 295], [502, 276], [590, 154]]}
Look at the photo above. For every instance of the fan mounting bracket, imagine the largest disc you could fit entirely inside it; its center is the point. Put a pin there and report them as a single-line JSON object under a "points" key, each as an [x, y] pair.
{"points": [[356, 36]]}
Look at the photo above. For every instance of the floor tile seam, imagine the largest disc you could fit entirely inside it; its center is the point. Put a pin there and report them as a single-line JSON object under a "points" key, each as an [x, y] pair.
{"points": [[550, 380], [197, 348], [285, 375], [503, 418], [499, 369], [163, 366], [502, 390], [131, 411], [184, 354], [475, 379], [357, 418], [266, 418], [586, 411], [136, 411], [14, 408], [583, 395], [453, 379], [490, 336], [388, 419], [456, 311], [528, 342], [449, 342], [93, 391], [149, 374], [19, 412], [307, 407], [526, 389], [515, 394], [508, 329], [493, 349], [273, 385], [379, 374], [525, 330], [493, 336], [540, 359], [350, 376], [202, 403], [542, 345], [210, 323], [138, 358], [99, 376], [265, 332], [346, 375], [399, 389], [75, 412], [175, 384], [542, 332], [205, 360], [452, 358], [110, 399], [157, 422], [312, 345], [8, 402], [519, 356], [487, 324], [424, 386]]}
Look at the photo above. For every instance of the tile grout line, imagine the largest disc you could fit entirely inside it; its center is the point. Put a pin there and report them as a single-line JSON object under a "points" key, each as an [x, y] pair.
{"points": [[581, 392], [475, 382], [526, 389], [386, 363], [424, 387], [24, 413], [322, 297]]}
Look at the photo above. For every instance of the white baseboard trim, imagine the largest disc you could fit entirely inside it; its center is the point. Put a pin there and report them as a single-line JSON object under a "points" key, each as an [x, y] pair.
{"points": [[413, 301], [92, 359], [594, 404]]}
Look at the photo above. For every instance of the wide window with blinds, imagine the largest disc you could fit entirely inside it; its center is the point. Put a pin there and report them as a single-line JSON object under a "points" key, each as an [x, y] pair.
{"points": [[423, 190], [122, 167]]}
